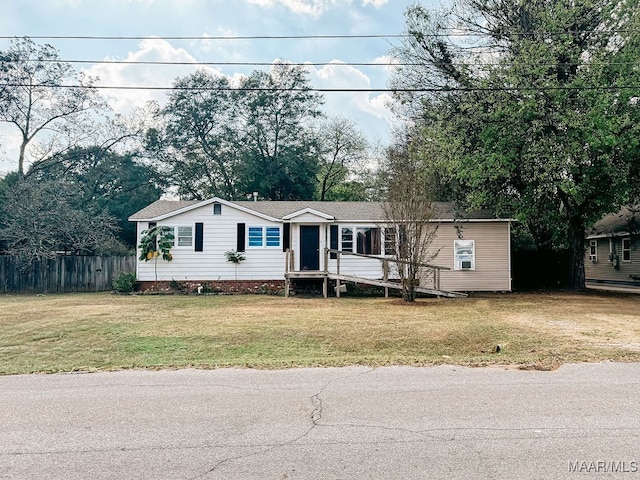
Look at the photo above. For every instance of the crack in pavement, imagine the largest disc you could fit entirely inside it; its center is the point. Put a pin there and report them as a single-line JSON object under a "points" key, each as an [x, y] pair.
{"points": [[315, 417]]}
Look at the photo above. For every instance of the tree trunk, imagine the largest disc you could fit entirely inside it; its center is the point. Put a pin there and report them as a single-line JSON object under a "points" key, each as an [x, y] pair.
{"points": [[577, 247]]}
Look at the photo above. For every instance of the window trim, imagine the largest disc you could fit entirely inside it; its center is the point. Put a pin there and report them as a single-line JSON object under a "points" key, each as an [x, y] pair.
{"points": [[457, 261]]}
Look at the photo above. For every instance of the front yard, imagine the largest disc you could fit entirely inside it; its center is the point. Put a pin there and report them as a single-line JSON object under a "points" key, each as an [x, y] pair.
{"points": [[86, 332]]}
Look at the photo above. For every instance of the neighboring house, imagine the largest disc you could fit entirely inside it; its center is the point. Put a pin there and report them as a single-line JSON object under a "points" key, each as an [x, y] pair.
{"points": [[612, 257], [279, 238]]}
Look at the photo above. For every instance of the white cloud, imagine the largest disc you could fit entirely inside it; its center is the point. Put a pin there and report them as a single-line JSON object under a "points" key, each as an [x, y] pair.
{"points": [[367, 108], [307, 7], [375, 3], [132, 75]]}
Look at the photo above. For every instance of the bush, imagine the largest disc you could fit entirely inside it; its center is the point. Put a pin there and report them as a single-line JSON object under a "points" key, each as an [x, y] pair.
{"points": [[125, 282]]}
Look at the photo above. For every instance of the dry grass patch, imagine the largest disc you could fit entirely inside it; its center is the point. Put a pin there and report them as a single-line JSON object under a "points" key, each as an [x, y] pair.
{"points": [[101, 331]]}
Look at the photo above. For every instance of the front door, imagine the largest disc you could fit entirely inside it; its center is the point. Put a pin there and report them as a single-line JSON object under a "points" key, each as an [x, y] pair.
{"points": [[309, 247]]}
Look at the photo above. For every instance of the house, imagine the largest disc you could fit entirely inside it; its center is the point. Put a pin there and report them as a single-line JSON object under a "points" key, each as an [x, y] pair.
{"points": [[285, 239], [612, 255]]}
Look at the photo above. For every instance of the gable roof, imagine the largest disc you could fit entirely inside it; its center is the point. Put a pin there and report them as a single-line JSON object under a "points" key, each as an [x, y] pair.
{"points": [[340, 211]]}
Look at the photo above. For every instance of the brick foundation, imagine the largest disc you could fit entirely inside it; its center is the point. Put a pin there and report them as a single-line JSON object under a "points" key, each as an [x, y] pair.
{"points": [[269, 287]]}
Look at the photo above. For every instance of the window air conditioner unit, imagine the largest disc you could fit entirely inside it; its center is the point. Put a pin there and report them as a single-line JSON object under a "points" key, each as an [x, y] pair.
{"points": [[465, 265]]}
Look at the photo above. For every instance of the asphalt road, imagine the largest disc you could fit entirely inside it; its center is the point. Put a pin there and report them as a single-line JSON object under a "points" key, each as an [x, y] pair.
{"points": [[581, 421]]}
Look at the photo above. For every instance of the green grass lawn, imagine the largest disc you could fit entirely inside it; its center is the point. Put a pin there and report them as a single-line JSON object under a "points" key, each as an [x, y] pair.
{"points": [[59, 333]]}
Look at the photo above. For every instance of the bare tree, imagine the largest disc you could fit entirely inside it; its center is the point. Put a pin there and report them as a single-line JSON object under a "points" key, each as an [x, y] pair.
{"points": [[42, 93], [41, 218], [409, 217]]}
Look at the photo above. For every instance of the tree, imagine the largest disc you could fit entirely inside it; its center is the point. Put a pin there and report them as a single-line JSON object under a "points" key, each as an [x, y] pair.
{"points": [[538, 103], [156, 241], [343, 150], [42, 218], [42, 93], [197, 141], [409, 213], [104, 181], [280, 151]]}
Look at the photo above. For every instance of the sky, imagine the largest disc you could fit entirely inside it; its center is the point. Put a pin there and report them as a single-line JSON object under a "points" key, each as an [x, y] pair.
{"points": [[218, 18]]}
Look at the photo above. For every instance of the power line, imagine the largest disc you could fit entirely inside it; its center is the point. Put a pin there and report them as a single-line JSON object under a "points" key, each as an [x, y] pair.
{"points": [[204, 37], [319, 64], [338, 90], [446, 32]]}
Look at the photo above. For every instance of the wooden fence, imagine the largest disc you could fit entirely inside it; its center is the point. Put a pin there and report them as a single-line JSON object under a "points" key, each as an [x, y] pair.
{"points": [[62, 274]]}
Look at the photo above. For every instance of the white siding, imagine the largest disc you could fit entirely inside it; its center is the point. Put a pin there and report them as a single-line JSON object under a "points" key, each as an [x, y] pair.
{"points": [[220, 235], [492, 262]]}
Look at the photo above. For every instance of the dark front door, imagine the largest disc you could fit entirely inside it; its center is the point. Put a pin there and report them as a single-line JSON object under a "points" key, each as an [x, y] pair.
{"points": [[309, 247]]}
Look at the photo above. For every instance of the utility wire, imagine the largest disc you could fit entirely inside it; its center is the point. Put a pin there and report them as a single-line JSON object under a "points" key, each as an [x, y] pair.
{"points": [[335, 90], [319, 64], [447, 32]]}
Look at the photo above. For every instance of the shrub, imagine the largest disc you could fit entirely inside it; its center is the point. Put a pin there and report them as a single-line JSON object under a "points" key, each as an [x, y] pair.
{"points": [[125, 282]]}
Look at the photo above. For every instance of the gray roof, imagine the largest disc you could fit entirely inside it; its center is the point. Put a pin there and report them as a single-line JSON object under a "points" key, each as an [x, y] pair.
{"points": [[627, 220], [366, 211], [161, 207]]}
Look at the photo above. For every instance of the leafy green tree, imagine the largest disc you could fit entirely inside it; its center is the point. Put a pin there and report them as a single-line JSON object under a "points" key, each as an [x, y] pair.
{"points": [[280, 150], [105, 181], [196, 142], [156, 242], [538, 103], [43, 95]]}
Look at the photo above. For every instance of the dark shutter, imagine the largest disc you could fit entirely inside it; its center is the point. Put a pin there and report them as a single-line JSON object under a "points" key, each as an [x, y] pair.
{"points": [[333, 240], [240, 241], [286, 237], [199, 236]]}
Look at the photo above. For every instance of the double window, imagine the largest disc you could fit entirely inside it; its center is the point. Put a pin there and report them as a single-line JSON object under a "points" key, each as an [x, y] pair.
{"points": [[264, 237], [367, 240], [464, 255], [184, 237]]}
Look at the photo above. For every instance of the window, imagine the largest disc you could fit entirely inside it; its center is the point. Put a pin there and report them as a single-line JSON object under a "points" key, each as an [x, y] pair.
{"points": [[185, 236], [593, 250], [255, 236], [626, 249], [464, 255], [264, 237], [368, 240], [169, 231], [347, 239], [390, 241], [217, 208], [273, 236]]}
